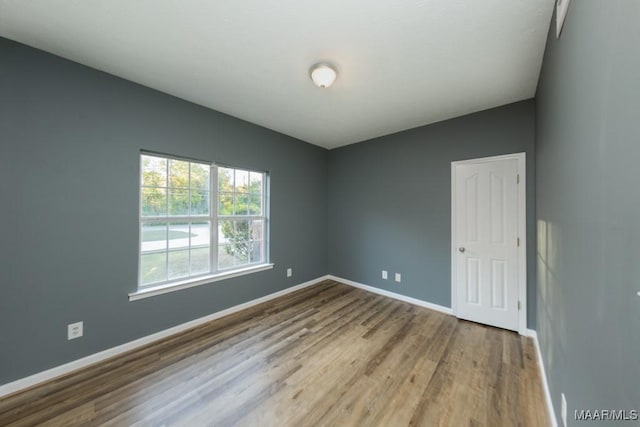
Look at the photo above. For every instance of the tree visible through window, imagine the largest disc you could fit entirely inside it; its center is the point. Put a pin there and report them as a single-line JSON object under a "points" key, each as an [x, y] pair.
{"points": [[191, 228], [240, 211]]}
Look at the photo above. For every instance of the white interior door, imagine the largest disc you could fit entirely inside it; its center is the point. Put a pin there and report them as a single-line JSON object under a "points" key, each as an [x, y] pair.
{"points": [[485, 251]]}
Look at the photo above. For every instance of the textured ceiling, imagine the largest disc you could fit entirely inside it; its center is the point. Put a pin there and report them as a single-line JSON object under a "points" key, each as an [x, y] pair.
{"points": [[401, 63]]}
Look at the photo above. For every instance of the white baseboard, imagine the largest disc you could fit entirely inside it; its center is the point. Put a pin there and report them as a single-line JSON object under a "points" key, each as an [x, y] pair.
{"points": [[393, 295], [58, 371], [61, 370], [545, 385]]}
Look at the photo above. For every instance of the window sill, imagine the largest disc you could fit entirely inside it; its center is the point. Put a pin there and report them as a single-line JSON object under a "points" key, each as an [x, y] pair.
{"points": [[190, 283]]}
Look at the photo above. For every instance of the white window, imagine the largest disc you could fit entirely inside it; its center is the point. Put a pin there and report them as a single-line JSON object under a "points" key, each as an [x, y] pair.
{"points": [[198, 220]]}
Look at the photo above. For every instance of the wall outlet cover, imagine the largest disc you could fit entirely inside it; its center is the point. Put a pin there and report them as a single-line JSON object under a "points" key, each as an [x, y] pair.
{"points": [[384, 274], [75, 330], [398, 277], [289, 272]]}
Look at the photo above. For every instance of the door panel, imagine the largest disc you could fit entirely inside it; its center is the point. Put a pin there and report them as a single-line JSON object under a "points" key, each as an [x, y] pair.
{"points": [[473, 280], [498, 284], [497, 201], [486, 202], [471, 212]]}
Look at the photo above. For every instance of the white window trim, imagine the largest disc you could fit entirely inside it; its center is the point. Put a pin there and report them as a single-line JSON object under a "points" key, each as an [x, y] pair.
{"points": [[201, 280], [142, 292]]}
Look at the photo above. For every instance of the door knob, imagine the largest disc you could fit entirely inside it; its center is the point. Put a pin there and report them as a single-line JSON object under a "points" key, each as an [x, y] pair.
{"points": [[461, 249]]}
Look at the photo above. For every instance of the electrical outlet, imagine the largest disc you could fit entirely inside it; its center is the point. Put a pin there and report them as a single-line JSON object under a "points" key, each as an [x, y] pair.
{"points": [[289, 272], [384, 274], [398, 277], [74, 330], [563, 410]]}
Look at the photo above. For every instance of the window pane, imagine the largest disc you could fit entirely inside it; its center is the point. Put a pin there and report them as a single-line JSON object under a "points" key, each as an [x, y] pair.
{"points": [[225, 204], [178, 264], [226, 231], [154, 237], [179, 235], [225, 256], [200, 261], [154, 171], [178, 202], [200, 234], [255, 204], [257, 230], [242, 202], [256, 252], [178, 174], [199, 202], [255, 182], [153, 268], [242, 233], [233, 231], [154, 201], [232, 255], [241, 253], [225, 180], [242, 181], [200, 176]]}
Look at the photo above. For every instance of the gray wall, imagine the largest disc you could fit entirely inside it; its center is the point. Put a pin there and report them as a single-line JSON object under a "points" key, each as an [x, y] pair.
{"points": [[390, 200], [588, 207], [70, 139]]}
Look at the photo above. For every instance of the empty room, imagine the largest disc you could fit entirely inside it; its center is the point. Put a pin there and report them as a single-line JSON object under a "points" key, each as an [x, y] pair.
{"points": [[338, 213]]}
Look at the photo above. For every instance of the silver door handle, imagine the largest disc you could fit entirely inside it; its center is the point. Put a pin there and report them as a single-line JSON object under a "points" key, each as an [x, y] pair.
{"points": [[461, 249]]}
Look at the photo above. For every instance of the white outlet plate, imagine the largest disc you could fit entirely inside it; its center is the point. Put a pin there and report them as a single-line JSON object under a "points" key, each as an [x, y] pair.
{"points": [[289, 272], [384, 274], [563, 410], [75, 330], [398, 277]]}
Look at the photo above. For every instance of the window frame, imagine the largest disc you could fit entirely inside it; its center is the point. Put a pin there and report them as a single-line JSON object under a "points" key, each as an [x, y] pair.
{"points": [[214, 218]]}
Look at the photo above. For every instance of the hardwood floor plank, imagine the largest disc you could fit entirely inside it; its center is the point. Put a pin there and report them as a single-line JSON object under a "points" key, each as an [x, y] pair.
{"points": [[327, 355]]}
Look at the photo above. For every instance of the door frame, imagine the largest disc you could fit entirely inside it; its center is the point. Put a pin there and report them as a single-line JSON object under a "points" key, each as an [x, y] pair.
{"points": [[522, 233]]}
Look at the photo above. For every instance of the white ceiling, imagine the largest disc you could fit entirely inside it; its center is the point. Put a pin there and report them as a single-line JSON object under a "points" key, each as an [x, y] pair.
{"points": [[401, 63]]}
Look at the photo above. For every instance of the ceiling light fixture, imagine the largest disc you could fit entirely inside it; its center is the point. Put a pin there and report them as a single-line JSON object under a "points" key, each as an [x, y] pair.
{"points": [[323, 74]]}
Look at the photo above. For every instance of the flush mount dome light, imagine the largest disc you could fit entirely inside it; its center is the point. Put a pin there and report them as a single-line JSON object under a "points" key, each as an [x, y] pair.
{"points": [[323, 75]]}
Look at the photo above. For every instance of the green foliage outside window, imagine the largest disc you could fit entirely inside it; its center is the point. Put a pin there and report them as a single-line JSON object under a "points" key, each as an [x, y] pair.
{"points": [[170, 187], [239, 194]]}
